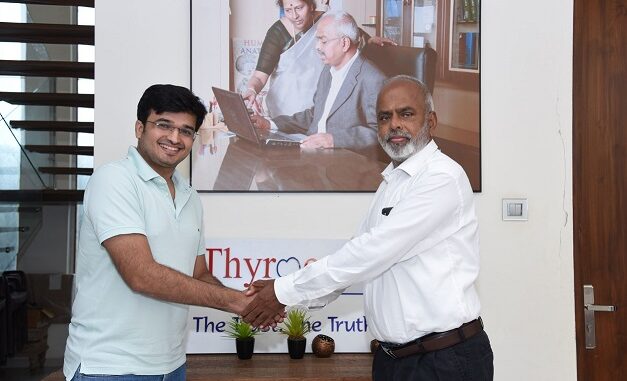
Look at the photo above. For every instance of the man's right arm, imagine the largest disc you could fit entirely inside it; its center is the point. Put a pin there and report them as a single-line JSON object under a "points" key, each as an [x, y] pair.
{"points": [[205, 276], [430, 212], [113, 206], [301, 122], [263, 309], [133, 259], [297, 123], [291, 124]]}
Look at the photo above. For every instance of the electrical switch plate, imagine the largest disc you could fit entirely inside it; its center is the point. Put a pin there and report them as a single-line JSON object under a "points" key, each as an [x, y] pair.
{"points": [[515, 209]]}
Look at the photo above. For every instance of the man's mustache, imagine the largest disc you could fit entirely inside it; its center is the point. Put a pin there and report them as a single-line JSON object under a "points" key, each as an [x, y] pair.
{"points": [[393, 134]]}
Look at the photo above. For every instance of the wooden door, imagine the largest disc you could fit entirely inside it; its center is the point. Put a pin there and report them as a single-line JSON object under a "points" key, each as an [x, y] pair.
{"points": [[599, 182]]}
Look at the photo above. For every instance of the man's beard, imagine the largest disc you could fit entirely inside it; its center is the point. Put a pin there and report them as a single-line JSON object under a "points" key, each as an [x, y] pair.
{"points": [[400, 153]]}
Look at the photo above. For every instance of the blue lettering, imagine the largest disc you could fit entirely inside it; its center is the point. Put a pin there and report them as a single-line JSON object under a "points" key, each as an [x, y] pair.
{"points": [[316, 326], [358, 325], [220, 326], [204, 325], [197, 319], [365, 324]]}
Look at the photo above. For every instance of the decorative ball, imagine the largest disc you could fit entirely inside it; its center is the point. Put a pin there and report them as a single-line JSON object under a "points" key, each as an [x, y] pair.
{"points": [[323, 346], [374, 345]]}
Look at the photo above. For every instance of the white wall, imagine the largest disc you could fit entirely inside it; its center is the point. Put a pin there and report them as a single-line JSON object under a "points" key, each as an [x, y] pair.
{"points": [[139, 43], [526, 283]]}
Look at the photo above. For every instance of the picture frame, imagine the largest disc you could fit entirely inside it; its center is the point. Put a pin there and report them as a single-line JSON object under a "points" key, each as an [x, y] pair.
{"points": [[224, 37]]}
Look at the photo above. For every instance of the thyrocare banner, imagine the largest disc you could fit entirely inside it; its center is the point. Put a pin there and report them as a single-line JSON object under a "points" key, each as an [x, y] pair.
{"points": [[237, 263]]}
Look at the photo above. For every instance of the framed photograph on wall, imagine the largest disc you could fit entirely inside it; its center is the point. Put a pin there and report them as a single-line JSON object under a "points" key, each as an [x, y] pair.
{"points": [[257, 65]]}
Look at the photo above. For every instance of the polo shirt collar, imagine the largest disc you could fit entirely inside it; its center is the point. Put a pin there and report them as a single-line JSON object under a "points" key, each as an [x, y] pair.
{"points": [[181, 184], [146, 173], [144, 170], [414, 163]]}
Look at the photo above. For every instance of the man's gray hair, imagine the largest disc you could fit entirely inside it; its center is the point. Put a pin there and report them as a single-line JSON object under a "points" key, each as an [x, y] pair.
{"points": [[421, 85], [345, 25]]}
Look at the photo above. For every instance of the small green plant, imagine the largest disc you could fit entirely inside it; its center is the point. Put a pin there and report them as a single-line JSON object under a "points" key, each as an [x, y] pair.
{"points": [[296, 324], [237, 328]]}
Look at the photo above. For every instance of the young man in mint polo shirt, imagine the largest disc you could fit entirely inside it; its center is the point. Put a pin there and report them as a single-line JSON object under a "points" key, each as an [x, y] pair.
{"points": [[141, 252]]}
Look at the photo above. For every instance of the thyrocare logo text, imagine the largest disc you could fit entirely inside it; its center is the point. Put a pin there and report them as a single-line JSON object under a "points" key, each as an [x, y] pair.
{"points": [[221, 262]]}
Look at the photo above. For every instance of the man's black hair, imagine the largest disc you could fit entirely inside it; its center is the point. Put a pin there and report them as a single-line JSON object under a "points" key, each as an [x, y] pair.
{"points": [[170, 98]]}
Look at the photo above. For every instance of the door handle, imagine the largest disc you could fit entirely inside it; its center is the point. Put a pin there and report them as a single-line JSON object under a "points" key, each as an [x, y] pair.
{"points": [[589, 309], [598, 308]]}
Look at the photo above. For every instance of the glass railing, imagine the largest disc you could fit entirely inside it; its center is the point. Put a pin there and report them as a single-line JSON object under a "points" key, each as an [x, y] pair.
{"points": [[17, 151], [17, 169], [9, 236], [22, 160], [25, 235], [19, 222], [19, 225]]}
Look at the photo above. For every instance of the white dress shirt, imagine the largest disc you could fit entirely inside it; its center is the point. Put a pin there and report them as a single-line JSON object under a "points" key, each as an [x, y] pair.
{"points": [[419, 263], [337, 79]]}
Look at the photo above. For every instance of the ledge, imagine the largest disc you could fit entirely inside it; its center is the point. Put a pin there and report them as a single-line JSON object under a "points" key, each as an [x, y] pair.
{"points": [[278, 367]]}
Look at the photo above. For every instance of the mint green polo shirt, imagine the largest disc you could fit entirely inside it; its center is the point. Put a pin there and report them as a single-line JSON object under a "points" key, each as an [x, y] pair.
{"points": [[115, 330]]}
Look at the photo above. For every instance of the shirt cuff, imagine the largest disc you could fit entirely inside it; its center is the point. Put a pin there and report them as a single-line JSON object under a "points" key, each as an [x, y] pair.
{"points": [[284, 290], [273, 126]]}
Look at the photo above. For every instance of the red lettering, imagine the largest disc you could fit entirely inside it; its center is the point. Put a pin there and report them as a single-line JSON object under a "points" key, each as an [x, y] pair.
{"points": [[268, 261], [210, 252], [227, 271]]}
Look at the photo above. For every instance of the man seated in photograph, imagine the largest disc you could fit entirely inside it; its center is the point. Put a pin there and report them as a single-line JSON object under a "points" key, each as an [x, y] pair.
{"points": [[343, 114]]}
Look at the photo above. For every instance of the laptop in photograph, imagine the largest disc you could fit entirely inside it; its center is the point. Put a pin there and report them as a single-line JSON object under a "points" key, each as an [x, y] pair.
{"points": [[238, 121]]}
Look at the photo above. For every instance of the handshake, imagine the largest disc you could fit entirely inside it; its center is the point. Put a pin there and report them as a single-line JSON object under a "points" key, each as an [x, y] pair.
{"points": [[259, 305]]}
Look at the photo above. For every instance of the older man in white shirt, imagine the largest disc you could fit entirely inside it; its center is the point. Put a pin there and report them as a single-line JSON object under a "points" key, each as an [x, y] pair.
{"points": [[343, 111], [417, 252]]}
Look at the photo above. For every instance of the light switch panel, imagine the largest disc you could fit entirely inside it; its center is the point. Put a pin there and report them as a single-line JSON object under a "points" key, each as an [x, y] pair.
{"points": [[515, 209]]}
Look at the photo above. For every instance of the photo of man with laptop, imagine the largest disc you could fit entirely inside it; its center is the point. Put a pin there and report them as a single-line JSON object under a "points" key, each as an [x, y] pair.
{"points": [[331, 146], [342, 115]]}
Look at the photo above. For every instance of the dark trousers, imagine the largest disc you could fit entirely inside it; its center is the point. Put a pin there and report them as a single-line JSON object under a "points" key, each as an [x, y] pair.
{"points": [[471, 360]]}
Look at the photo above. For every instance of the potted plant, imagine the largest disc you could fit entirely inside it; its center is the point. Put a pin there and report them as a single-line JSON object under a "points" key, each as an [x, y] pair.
{"points": [[244, 336], [296, 326]]}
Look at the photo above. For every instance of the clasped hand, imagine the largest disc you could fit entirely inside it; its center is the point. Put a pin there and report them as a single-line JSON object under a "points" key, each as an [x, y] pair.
{"points": [[264, 309]]}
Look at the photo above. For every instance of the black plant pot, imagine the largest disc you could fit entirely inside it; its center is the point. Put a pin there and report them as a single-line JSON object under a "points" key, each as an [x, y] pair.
{"points": [[296, 347], [245, 348]]}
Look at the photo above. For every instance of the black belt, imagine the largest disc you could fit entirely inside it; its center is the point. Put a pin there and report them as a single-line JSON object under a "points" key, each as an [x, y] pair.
{"points": [[434, 341]]}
